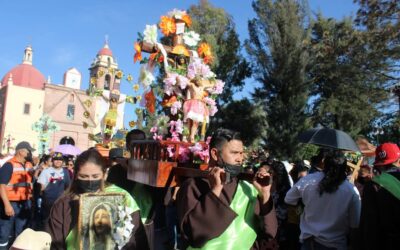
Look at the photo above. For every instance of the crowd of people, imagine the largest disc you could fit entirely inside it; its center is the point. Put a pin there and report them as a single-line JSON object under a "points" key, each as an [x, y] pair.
{"points": [[308, 205]]}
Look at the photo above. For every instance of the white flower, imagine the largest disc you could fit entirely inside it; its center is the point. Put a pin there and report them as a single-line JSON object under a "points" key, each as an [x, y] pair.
{"points": [[150, 34], [176, 13], [146, 77], [191, 38]]}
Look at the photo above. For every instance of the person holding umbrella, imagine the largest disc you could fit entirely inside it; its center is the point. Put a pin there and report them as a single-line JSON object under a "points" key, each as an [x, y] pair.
{"points": [[332, 205], [380, 217]]}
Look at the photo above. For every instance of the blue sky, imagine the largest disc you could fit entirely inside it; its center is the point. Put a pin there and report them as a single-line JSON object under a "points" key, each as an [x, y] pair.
{"points": [[67, 34]]}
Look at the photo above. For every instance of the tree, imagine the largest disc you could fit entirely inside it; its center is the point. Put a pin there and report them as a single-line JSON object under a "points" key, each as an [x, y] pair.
{"points": [[217, 28], [349, 86], [246, 117], [279, 37]]}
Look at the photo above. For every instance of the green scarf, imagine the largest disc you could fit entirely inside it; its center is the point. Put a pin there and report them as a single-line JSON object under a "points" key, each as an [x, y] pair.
{"points": [[242, 232], [388, 182], [72, 241]]}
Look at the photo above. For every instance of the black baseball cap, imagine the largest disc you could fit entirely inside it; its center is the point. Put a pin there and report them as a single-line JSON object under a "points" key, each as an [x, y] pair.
{"points": [[24, 145]]}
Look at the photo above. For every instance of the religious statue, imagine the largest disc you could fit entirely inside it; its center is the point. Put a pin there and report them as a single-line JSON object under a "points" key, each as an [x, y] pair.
{"points": [[110, 118], [195, 109]]}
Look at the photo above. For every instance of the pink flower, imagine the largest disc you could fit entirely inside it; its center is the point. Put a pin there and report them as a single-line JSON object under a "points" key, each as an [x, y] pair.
{"points": [[175, 106], [175, 136], [213, 110], [179, 126], [153, 129], [209, 101], [196, 148], [170, 79], [208, 140], [218, 88], [170, 151], [183, 82], [184, 154], [204, 155]]}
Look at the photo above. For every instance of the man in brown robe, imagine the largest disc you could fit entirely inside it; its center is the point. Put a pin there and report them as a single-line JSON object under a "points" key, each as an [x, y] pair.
{"points": [[203, 205]]}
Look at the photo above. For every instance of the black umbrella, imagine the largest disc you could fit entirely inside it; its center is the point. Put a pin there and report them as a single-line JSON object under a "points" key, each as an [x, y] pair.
{"points": [[327, 137]]}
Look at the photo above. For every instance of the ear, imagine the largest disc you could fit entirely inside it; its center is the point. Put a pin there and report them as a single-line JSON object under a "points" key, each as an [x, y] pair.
{"points": [[214, 154]]}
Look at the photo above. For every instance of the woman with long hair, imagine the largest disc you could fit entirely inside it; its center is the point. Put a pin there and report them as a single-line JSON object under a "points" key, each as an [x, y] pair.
{"points": [[90, 169], [331, 205]]}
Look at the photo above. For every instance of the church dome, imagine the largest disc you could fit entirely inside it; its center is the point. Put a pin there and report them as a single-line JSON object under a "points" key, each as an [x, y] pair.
{"points": [[25, 75], [105, 51]]}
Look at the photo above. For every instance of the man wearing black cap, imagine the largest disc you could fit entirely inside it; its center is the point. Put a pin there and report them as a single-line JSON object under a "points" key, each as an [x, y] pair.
{"points": [[53, 180], [15, 193]]}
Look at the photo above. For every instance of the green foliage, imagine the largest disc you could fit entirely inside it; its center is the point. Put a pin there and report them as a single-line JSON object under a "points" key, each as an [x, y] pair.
{"points": [[348, 85], [278, 46], [217, 28], [243, 116]]}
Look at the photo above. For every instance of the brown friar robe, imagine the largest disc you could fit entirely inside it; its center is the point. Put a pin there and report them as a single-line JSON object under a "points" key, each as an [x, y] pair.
{"points": [[64, 217], [204, 216]]}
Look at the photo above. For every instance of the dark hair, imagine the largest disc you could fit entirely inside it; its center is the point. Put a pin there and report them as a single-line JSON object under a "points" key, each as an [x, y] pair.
{"points": [[44, 158], [92, 156], [281, 178], [335, 172], [222, 136], [134, 135], [298, 167]]}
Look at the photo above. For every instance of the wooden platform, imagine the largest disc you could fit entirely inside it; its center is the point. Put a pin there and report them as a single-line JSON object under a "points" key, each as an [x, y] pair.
{"points": [[151, 164]]}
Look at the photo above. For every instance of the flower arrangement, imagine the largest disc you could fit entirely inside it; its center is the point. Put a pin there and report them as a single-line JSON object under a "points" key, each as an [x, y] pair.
{"points": [[124, 227], [183, 64]]}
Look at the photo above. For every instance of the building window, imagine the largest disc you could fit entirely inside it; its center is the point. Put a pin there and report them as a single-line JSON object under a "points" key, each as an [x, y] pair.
{"points": [[108, 62], [70, 112], [27, 108], [107, 82]]}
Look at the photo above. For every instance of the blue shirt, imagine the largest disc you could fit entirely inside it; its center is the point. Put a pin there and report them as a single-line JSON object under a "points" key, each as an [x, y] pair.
{"points": [[5, 173]]}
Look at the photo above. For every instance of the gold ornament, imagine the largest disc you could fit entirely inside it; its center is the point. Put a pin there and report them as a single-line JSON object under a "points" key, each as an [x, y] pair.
{"points": [[100, 73], [86, 114], [129, 78], [132, 124], [119, 74], [85, 124], [93, 80], [138, 98], [88, 103], [136, 87], [111, 70]]}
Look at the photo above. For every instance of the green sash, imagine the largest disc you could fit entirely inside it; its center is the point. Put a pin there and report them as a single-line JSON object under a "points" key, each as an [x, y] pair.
{"points": [[143, 199], [72, 241], [241, 233], [388, 182]]}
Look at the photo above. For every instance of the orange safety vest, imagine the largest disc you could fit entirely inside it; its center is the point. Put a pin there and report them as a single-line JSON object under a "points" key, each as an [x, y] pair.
{"points": [[19, 188]]}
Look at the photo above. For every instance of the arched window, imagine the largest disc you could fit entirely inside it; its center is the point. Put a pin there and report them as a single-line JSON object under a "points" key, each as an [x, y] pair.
{"points": [[109, 61], [67, 140], [107, 82]]}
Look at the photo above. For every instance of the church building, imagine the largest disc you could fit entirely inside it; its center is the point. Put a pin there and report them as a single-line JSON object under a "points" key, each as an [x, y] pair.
{"points": [[25, 96]]}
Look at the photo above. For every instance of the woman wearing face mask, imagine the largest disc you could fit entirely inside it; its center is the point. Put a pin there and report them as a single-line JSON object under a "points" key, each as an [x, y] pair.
{"points": [[89, 169]]}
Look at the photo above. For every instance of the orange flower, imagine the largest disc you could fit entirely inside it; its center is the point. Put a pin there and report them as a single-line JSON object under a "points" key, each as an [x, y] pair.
{"points": [[187, 20], [167, 25], [138, 54], [168, 101], [204, 50], [208, 59], [150, 101], [152, 56]]}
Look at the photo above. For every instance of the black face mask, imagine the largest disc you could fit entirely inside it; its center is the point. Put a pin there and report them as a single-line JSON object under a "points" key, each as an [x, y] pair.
{"points": [[230, 170], [29, 157], [85, 186]]}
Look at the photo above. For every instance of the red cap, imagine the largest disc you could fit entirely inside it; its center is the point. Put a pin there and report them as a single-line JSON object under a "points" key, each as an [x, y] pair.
{"points": [[386, 153]]}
